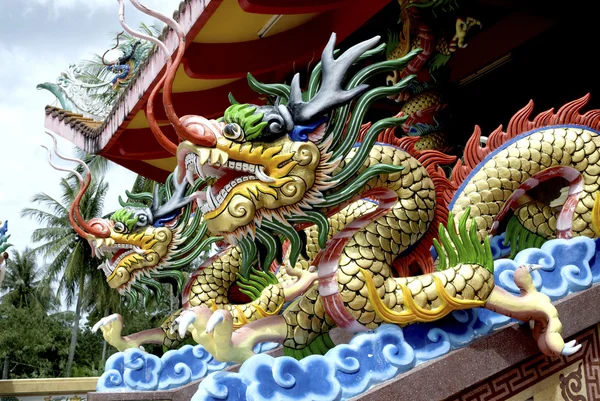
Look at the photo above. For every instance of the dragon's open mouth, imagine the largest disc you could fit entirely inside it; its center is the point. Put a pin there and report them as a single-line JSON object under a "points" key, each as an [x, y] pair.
{"points": [[227, 175], [114, 254]]}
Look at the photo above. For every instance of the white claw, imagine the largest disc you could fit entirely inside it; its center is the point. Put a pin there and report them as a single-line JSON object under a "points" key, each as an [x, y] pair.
{"points": [[571, 350], [570, 344], [533, 267], [103, 322], [213, 321], [174, 326], [184, 321]]}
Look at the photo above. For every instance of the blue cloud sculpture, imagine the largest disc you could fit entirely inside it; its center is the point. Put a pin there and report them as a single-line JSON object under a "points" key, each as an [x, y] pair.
{"points": [[566, 267], [369, 359], [135, 370], [373, 357]]}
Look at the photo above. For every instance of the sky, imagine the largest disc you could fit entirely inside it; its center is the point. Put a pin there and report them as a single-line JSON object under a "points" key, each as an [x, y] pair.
{"points": [[39, 39]]}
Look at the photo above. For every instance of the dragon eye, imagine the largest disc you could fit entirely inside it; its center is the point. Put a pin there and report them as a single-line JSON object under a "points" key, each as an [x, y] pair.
{"points": [[142, 219], [233, 131], [120, 227]]}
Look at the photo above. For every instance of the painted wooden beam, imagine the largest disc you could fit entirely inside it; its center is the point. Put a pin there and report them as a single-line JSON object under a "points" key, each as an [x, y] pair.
{"points": [[231, 60], [289, 6]]}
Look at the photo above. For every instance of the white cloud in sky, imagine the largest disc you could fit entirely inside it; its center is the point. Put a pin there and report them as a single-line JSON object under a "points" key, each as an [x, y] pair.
{"points": [[38, 40]]}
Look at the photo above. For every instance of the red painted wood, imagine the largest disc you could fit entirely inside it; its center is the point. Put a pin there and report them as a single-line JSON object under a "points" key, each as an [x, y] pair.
{"points": [[281, 50], [139, 144], [210, 9], [211, 103], [289, 6], [139, 167], [495, 42]]}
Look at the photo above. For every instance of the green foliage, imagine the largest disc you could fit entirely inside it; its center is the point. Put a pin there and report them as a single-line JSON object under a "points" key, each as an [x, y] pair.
{"points": [[70, 257], [35, 344], [244, 115], [25, 284], [462, 246]]}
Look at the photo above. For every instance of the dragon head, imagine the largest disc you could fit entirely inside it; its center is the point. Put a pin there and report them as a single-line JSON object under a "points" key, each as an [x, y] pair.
{"points": [[138, 242], [143, 241], [134, 246], [268, 161], [255, 174]]}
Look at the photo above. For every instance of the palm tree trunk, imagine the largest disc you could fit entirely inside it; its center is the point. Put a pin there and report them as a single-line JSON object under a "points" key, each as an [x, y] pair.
{"points": [[104, 344], [5, 369], [75, 327]]}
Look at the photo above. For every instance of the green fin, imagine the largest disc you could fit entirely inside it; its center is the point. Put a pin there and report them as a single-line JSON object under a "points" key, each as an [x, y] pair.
{"points": [[520, 238], [462, 246], [256, 282], [319, 346]]}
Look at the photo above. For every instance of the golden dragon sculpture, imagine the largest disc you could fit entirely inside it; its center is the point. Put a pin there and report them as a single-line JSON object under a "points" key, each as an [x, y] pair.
{"points": [[316, 231]]}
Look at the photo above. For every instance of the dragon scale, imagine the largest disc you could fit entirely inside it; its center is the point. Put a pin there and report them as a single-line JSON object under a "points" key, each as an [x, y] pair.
{"points": [[567, 143]]}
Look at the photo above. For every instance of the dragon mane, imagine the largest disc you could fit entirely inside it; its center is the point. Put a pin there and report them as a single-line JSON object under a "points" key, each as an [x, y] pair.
{"points": [[189, 242], [335, 138]]}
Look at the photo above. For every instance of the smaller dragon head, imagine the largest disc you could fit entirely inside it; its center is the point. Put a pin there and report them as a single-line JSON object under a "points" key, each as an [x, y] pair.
{"points": [[134, 246], [139, 240]]}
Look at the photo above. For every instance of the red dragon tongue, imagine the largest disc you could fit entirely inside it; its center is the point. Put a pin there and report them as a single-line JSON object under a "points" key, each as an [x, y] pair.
{"points": [[117, 254], [229, 176]]}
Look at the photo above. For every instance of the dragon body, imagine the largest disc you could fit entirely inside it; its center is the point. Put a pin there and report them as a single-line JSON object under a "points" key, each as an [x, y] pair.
{"points": [[317, 230], [424, 101]]}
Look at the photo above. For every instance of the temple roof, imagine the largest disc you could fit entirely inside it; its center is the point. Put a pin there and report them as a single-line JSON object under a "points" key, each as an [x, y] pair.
{"points": [[225, 39]]}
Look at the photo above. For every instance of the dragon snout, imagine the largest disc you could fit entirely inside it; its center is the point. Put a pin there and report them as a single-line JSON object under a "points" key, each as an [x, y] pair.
{"points": [[201, 132], [100, 228]]}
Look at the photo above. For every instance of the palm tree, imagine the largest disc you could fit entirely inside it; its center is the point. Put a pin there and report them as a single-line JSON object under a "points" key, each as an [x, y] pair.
{"points": [[70, 255], [27, 287]]}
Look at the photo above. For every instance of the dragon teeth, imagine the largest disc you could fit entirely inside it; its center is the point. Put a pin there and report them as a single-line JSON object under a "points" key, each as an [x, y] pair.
{"points": [[260, 173]]}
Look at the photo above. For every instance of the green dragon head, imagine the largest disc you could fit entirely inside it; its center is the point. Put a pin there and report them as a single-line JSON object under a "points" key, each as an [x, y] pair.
{"points": [[143, 243]]}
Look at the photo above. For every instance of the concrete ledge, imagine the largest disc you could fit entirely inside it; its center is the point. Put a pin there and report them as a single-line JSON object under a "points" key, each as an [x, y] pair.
{"points": [[486, 357], [25, 387]]}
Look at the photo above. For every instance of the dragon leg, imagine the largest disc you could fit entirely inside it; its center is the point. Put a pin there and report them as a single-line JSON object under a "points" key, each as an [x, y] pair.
{"points": [[112, 328], [533, 305], [215, 331]]}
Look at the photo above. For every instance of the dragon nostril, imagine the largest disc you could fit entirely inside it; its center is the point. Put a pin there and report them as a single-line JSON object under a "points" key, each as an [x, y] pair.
{"points": [[98, 228], [201, 136], [200, 131]]}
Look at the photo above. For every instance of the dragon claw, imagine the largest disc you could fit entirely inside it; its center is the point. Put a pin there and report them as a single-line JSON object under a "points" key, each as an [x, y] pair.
{"points": [[570, 350], [105, 321], [532, 267], [570, 343], [213, 321], [184, 321]]}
